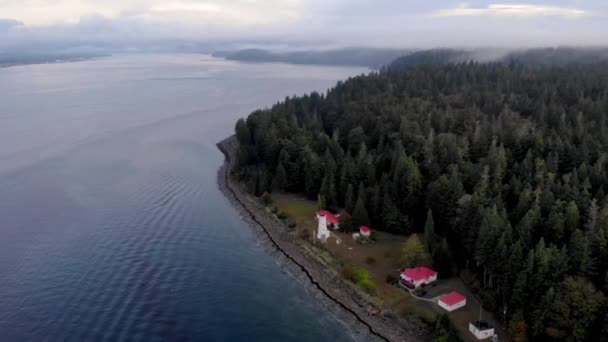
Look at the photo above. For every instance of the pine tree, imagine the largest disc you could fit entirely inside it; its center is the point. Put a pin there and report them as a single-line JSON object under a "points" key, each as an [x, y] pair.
{"points": [[360, 216], [328, 189], [429, 230], [349, 199], [556, 223], [572, 218], [528, 223], [279, 182], [243, 134], [376, 206], [581, 262], [313, 176], [362, 193], [591, 224], [568, 311]]}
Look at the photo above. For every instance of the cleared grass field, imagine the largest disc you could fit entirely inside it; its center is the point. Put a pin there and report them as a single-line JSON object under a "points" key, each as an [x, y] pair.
{"points": [[379, 258], [299, 210]]}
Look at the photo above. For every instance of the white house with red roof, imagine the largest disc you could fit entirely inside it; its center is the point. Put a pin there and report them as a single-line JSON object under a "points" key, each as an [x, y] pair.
{"points": [[365, 231], [333, 221], [418, 276], [452, 301]]}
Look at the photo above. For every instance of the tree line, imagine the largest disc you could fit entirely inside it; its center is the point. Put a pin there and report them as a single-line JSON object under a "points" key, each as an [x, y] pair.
{"points": [[503, 166]]}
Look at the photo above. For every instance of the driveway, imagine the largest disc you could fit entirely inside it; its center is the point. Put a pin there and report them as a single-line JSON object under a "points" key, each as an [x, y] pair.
{"points": [[463, 316]]}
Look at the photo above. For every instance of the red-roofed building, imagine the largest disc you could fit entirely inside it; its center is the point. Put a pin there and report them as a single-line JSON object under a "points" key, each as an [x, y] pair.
{"points": [[332, 220], [365, 231], [418, 276], [452, 301]]}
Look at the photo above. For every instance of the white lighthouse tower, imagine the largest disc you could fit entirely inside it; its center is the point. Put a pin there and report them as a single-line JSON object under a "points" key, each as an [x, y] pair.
{"points": [[322, 231]]}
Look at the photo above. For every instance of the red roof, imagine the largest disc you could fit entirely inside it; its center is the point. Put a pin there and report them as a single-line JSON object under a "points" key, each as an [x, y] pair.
{"points": [[365, 229], [419, 273], [452, 298], [331, 218]]}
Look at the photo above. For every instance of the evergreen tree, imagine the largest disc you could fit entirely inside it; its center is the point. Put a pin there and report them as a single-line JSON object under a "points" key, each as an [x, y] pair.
{"points": [[429, 229], [581, 262], [572, 219], [242, 132], [280, 179], [568, 311], [349, 201], [360, 216]]}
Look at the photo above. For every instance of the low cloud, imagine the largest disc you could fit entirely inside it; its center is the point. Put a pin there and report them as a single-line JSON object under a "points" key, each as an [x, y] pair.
{"points": [[7, 24], [197, 24], [215, 12], [511, 10]]}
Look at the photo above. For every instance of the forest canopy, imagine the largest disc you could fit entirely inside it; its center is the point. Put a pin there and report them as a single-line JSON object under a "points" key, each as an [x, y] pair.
{"points": [[503, 166]]}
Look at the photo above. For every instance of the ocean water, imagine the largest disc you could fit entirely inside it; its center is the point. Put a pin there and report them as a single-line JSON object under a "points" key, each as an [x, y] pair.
{"points": [[112, 226]]}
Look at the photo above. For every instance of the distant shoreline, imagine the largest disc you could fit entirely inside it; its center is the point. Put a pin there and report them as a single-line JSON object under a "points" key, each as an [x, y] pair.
{"points": [[50, 61], [343, 301], [373, 58]]}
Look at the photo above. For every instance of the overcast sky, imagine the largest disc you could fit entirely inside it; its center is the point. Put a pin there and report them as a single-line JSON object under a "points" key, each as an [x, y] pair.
{"points": [[397, 23]]}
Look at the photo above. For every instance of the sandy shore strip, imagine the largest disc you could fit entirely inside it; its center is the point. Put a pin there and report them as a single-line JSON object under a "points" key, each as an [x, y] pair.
{"points": [[364, 319]]}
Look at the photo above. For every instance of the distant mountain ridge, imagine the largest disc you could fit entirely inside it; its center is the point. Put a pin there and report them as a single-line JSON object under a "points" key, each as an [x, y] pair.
{"points": [[10, 59], [368, 57]]}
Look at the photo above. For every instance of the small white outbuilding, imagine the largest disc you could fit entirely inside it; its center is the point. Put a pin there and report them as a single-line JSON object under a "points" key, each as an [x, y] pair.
{"points": [[481, 329]]}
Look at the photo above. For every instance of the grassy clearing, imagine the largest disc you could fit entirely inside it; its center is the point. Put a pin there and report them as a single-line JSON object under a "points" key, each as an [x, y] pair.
{"points": [[360, 277], [298, 210], [379, 259]]}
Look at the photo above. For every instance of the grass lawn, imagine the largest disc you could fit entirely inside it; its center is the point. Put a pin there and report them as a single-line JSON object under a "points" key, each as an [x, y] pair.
{"points": [[300, 211]]}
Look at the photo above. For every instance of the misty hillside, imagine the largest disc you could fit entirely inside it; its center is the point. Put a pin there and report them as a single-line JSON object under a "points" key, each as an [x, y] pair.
{"points": [[558, 57], [19, 58], [369, 57]]}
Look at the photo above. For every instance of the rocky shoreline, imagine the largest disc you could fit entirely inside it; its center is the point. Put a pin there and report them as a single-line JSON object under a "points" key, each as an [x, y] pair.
{"points": [[365, 320]]}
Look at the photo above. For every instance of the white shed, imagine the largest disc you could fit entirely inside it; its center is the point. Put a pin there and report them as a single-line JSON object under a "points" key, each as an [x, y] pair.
{"points": [[481, 329]]}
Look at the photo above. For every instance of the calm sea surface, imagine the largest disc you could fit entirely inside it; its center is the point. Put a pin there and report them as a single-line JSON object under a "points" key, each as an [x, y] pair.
{"points": [[112, 227]]}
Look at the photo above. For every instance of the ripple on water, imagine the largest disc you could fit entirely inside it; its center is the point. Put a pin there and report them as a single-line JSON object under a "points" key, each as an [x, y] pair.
{"points": [[152, 265], [134, 269]]}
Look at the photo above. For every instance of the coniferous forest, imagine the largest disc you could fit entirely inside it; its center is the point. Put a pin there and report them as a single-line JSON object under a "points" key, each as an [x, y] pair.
{"points": [[509, 161]]}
